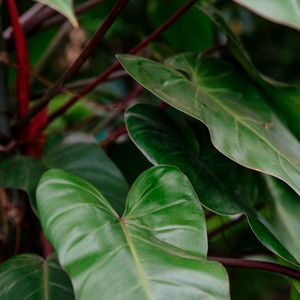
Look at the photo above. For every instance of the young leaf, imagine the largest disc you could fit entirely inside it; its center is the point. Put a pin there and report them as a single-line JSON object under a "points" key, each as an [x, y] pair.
{"points": [[285, 12], [220, 190], [31, 277], [156, 250], [78, 154], [242, 126], [65, 7]]}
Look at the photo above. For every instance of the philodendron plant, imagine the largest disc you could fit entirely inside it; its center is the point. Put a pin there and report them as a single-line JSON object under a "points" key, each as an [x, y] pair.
{"points": [[164, 176]]}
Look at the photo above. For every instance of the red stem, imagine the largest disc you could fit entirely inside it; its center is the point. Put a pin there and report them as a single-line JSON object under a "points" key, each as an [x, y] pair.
{"points": [[254, 264], [114, 135], [34, 148], [22, 60]]}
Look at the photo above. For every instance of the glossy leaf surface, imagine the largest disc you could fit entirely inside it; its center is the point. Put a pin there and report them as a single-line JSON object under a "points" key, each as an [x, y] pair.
{"points": [[285, 12], [31, 277], [65, 7], [242, 125], [285, 99], [75, 153], [156, 250], [221, 185]]}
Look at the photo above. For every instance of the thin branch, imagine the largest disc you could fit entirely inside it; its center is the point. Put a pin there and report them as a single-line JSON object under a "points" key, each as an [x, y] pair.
{"points": [[120, 107], [215, 49], [31, 19], [82, 82], [114, 67], [28, 15], [114, 136], [44, 81], [117, 9], [260, 265], [225, 226]]}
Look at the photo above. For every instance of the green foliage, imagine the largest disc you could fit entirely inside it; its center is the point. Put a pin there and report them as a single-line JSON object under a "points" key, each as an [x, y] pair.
{"points": [[236, 112], [215, 190], [202, 194], [75, 153], [150, 224], [31, 277]]}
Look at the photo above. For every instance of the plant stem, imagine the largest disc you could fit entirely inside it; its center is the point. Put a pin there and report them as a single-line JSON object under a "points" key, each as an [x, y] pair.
{"points": [[31, 19], [260, 265], [121, 106], [22, 60], [225, 226], [114, 67], [25, 18], [114, 135], [117, 9]]}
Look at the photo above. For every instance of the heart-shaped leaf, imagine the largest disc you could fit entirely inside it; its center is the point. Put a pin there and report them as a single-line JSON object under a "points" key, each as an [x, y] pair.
{"points": [[75, 153], [31, 277], [65, 7], [242, 126], [221, 185], [156, 250], [285, 12]]}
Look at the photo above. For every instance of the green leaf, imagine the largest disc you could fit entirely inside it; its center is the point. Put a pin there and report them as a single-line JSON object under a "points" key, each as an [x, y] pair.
{"points": [[65, 7], [156, 250], [285, 99], [242, 125], [75, 153], [31, 277], [284, 210], [162, 141], [285, 12]]}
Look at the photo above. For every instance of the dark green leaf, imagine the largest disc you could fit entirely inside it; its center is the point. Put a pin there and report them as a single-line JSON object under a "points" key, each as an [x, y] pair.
{"points": [[156, 250], [78, 154], [31, 277], [221, 185], [284, 210], [242, 125]]}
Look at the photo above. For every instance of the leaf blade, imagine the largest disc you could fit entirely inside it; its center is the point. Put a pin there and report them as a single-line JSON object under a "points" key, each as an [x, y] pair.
{"points": [[65, 7], [92, 249], [226, 194], [286, 13], [235, 112]]}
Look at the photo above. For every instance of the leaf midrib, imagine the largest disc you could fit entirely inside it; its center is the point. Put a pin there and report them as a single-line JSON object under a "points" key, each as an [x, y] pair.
{"points": [[136, 259]]}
